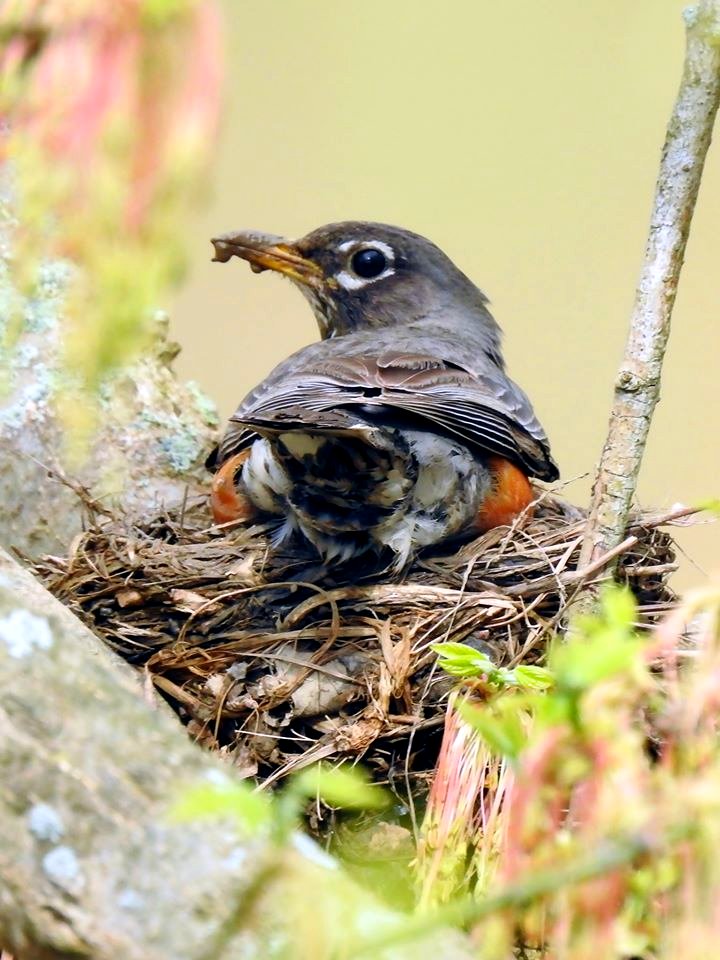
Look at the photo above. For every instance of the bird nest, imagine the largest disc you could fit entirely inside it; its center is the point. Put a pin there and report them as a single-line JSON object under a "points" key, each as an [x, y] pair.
{"points": [[278, 663]]}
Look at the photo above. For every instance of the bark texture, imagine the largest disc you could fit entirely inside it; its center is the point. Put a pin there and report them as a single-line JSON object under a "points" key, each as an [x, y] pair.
{"points": [[637, 388], [91, 865]]}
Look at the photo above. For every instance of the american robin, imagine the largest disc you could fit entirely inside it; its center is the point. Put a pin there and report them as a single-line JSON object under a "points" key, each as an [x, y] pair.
{"points": [[400, 428]]}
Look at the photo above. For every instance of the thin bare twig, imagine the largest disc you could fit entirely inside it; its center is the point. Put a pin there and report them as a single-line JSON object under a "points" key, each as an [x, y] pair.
{"points": [[637, 388]]}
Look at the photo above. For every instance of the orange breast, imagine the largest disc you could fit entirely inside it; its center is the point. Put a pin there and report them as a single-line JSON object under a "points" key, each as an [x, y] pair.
{"points": [[508, 496], [226, 502]]}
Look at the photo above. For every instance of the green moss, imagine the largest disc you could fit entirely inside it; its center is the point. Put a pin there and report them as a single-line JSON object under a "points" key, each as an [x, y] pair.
{"points": [[181, 446]]}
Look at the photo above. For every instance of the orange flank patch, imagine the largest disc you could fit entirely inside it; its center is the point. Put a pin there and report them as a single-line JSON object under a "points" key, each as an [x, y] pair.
{"points": [[509, 495], [225, 501]]}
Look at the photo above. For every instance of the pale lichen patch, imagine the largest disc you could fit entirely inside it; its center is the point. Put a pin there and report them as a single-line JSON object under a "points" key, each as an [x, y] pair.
{"points": [[129, 899], [62, 867], [23, 632], [45, 823]]}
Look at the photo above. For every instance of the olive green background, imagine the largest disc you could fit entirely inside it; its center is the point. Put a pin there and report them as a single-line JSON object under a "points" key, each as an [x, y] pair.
{"points": [[522, 137]]}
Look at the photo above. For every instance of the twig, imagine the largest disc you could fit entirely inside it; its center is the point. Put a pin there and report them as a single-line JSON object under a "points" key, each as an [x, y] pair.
{"points": [[637, 388], [584, 572]]}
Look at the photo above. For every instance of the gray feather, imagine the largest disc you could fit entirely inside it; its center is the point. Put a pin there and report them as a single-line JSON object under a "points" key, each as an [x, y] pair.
{"points": [[470, 398]]}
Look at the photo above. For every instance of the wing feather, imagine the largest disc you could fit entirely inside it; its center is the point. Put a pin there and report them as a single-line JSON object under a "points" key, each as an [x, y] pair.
{"points": [[486, 410]]}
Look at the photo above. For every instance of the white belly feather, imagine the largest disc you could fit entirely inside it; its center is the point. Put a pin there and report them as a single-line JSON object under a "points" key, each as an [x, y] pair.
{"points": [[434, 493]]}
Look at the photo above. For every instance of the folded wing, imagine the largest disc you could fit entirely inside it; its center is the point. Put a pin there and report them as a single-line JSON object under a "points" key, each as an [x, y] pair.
{"points": [[485, 410]]}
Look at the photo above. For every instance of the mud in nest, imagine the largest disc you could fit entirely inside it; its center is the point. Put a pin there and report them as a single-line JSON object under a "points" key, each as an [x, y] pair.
{"points": [[278, 663]]}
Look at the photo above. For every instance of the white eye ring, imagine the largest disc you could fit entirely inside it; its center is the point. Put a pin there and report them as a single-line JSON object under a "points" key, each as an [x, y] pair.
{"points": [[349, 280]]}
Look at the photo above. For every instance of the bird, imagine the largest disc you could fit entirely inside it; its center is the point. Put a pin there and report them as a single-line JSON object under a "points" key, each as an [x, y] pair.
{"points": [[399, 429]]}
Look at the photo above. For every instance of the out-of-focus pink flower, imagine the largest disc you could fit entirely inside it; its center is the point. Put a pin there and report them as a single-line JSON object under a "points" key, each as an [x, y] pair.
{"points": [[108, 114], [84, 78]]}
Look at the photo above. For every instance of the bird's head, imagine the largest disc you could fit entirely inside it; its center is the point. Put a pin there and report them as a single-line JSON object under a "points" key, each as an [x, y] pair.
{"points": [[365, 275]]}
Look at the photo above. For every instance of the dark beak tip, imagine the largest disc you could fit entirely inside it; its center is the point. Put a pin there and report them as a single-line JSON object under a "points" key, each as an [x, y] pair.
{"points": [[222, 251]]}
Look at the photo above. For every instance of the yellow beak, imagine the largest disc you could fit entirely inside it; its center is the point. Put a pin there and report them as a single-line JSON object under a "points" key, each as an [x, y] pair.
{"points": [[263, 251]]}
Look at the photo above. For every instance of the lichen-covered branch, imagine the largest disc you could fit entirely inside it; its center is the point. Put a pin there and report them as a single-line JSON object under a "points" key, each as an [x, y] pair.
{"points": [[637, 388], [92, 865]]}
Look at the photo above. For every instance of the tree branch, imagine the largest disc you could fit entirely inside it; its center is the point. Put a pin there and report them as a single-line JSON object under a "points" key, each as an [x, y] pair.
{"points": [[637, 388]]}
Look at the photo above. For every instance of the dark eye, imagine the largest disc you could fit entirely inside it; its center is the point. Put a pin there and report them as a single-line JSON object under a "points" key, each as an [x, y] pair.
{"points": [[368, 263]]}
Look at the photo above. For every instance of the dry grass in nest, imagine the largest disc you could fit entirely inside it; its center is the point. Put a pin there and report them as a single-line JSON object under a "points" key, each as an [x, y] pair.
{"points": [[275, 663]]}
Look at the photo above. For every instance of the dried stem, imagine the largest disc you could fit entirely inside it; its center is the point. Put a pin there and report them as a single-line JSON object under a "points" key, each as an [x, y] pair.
{"points": [[637, 388]]}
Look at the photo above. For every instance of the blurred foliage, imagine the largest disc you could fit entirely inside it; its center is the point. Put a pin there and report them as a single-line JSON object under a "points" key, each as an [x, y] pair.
{"points": [[343, 787], [109, 113], [606, 794], [580, 820], [225, 799]]}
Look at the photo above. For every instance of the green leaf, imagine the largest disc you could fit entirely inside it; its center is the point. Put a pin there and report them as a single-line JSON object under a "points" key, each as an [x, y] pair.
{"points": [[219, 800], [582, 664], [712, 506], [530, 677], [618, 607], [461, 660], [342, 786], [501, 727], [600, 645], [159, 12]]}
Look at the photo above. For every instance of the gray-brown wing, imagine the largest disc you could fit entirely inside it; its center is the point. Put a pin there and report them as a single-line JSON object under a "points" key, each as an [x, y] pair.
{"points": [[485, 409]]}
